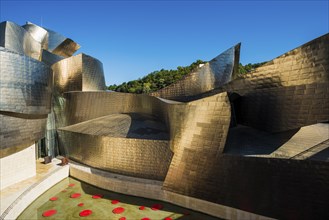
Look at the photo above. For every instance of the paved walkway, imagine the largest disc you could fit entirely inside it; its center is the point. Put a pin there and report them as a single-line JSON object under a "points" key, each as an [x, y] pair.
{"points": [[13, 193]]}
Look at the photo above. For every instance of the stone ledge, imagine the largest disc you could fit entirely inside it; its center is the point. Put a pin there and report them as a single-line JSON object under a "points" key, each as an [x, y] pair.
{"points": [[152, 189], [34, 191]]}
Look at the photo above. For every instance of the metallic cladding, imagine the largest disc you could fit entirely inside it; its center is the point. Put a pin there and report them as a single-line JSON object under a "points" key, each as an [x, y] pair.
{"points": [[50, 58], [18, 133], [288, 92], [38, 33], [25, 84], [16, 38], [211, 75], [201, 129], [60, 45], [78, 73], [128, 156], [195, 122]]}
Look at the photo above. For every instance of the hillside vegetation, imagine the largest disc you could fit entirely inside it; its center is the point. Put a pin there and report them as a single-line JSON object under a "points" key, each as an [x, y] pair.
{"points": [[159, 79]]}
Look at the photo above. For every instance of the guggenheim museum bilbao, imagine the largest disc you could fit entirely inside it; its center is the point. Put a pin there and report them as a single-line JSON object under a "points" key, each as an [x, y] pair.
{"points": [[215, 141]]}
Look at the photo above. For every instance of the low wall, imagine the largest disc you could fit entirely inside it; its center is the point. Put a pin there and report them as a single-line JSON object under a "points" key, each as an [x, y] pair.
{"points": [[152, 189], [17, 167], [33, 192]]}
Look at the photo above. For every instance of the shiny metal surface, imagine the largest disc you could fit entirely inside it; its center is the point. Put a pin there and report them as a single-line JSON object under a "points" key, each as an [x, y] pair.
{"points": [[25, 84], [60, 45], [288, 92], [78, 73], [16, 38], [50, 58], [184, 122], [25, 87], [38, 33], [199, 132], [18, 133], [211, 75]]}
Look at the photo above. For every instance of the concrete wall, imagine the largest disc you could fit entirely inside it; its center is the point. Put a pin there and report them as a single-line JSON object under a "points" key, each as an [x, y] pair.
{"points": [[17, 167]]}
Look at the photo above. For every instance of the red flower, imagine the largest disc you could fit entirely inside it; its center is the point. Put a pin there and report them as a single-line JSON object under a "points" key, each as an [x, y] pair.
{"points": [[141, 207], [85, 213], [115, 201], [49, 213], [75, 195], [71, 184], [80, 204], [118, 210], [97, 196], [156, 207], [122, 218], [145, 219], [168, 218], [53, 198]]}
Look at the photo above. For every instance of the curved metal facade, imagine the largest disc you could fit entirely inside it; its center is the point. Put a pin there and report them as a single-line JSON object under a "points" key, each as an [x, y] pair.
{"points": [[195, 122], [16, 38], [214, 74], [78, 73], [24, 102], [26, 84], [38, 33], [288, 92], [19, 132], [60, 45], [181, 143]]}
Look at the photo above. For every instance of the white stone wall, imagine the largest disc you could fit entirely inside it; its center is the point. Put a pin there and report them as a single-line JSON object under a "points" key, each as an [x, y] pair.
{"points": [[17, 167]]}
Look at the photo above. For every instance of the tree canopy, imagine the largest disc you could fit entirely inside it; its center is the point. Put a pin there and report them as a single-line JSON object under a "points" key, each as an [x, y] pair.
{"points": [[159, 79]]}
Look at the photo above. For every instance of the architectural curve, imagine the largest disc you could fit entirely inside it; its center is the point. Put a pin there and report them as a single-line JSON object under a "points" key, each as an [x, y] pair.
{"points": [[60, 45], [78, 73], [26, 84], [213, 74], [16, 38], [38, 33]]}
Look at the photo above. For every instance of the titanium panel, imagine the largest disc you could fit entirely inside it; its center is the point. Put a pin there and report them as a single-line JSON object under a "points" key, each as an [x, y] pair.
{"points": [[60, 45], [16, 38], [50, 58], [128, 156], [93, 74], [38, 33], [200, 131], [18, 133], [211, 75], [78, 73], [25, 84], [288, 92]]}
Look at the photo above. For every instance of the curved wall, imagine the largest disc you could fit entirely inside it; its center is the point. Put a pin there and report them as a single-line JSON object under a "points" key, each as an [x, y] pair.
{"points": [[196, 128], [78, 73], [18, 133], [24, 102], [288, 92], [211, 75], [16, 38], [38, 33], [60, 45], [25, 84]]}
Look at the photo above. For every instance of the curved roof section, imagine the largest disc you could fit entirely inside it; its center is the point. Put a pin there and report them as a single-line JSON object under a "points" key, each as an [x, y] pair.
{"points": [[16, 38], [60, 45]]}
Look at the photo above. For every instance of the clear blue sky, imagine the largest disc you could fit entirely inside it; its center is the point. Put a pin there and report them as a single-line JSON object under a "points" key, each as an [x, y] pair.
{"points": [[134, 38]]}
